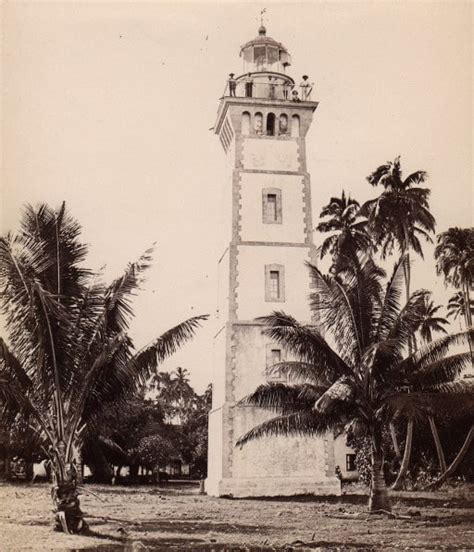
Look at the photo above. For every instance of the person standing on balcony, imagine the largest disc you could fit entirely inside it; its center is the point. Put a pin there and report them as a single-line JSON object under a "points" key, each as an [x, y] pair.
{"points": [[232, 84], [305, 88], [287, 86], [248, 85]]}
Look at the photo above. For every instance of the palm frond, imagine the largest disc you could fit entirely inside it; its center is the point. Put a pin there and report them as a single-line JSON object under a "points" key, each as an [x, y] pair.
{"points": [[298, 424]]}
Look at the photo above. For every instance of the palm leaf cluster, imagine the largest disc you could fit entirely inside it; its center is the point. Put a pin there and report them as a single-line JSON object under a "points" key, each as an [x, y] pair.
{"points": [[400, 216]]}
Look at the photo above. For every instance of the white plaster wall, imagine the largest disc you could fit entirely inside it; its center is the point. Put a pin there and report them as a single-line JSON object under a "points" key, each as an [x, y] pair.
{"points": [[250, 359], [253, 228], [251, 279], [276, 456], [214, 465], [219, 368], [270, 154]]}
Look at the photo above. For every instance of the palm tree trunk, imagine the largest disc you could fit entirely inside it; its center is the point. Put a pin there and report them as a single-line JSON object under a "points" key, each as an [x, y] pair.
{"points": [[393, 435], [456, 462], [438, 445], [378, 495], [68, 514], [406, 457], [411, 347]]}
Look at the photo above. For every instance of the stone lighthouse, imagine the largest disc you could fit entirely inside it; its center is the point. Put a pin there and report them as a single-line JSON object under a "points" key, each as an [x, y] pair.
{"points": [[266, 236]]}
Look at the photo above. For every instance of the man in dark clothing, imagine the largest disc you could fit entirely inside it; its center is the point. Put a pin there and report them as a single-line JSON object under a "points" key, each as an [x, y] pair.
{"points": [[232, 85]]}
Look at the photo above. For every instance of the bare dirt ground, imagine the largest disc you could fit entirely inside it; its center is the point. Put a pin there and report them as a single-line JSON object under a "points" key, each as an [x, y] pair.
{"points": [[178, 518]]}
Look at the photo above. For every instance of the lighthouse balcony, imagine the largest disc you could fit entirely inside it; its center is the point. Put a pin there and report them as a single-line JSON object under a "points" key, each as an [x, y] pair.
{"points": [[268, 85]]}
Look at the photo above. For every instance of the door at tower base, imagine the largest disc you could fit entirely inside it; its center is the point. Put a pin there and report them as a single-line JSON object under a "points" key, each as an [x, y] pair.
{"points": [[270, 466]]}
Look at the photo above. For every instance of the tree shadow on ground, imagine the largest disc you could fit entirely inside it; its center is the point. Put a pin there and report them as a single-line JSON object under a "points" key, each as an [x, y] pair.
{"points": [[358, 499]]}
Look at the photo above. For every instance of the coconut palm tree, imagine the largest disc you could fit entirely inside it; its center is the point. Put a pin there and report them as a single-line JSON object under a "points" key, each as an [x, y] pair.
{"points": [[454, 254], [399, 217], [353, 371], [430, 323], [69, 353], [457, 307], [348, 232]]}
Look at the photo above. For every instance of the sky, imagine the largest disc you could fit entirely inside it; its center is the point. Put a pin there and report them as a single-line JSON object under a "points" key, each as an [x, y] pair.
{"points": [[108, 106]]}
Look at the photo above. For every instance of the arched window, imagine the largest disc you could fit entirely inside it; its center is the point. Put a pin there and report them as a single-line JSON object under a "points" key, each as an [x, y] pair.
{"points": [[295, 126], [258, 123], [271, 124], [245, 123], [283, 124]]}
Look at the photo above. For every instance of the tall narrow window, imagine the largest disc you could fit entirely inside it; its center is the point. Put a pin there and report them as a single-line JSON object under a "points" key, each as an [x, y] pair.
{"points": [[283, 124], [245, 123], [274, 283], [271, 206], [258, 123], [271, 124], [295, 126]]}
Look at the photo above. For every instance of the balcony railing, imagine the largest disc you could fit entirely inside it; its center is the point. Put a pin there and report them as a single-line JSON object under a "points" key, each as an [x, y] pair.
{"points": [[269, 91]]}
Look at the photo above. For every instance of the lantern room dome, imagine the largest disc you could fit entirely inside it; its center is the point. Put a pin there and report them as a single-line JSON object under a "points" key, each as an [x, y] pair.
{"points": [[264, 53]]}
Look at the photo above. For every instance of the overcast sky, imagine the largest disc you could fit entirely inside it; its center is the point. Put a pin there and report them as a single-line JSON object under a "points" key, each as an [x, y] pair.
{"points": [[108, 106]]}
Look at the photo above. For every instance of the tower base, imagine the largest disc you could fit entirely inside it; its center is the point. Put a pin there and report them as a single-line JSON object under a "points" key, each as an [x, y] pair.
{"points": [[272, 486]]}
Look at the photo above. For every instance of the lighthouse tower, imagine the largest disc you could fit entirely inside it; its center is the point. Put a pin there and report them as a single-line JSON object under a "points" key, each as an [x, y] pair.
{"points": [[262, 123]]}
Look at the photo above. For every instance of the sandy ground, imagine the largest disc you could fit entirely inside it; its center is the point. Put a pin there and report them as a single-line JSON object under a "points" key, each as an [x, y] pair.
{"points": [[178, 518]]}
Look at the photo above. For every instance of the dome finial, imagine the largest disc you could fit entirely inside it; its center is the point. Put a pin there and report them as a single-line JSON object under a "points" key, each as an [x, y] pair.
{"points": [[262, 31]]}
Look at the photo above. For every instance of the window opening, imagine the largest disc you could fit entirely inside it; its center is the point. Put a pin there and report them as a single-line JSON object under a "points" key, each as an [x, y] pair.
{"points": [[245, 123], [274, 284], [258, 124], [350, 462], [270, 124], [295, 126]]}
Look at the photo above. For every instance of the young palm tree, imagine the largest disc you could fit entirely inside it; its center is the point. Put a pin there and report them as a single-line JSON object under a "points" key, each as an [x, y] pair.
{"points": [[398, 218], [69, 353], [454, 256], [365, 379], [349, 235]]}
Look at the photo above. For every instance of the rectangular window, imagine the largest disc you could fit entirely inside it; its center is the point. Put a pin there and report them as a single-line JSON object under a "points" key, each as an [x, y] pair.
{"points": [[350, 462], [274, 283], [271, 206], [274, 355]]}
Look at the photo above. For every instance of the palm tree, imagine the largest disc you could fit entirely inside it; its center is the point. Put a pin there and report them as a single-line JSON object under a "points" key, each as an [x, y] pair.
{"points": [[366, 378], [457, 307], [430, 324], [399, 217], [69, 353], [454, 254], [349, 235]]}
